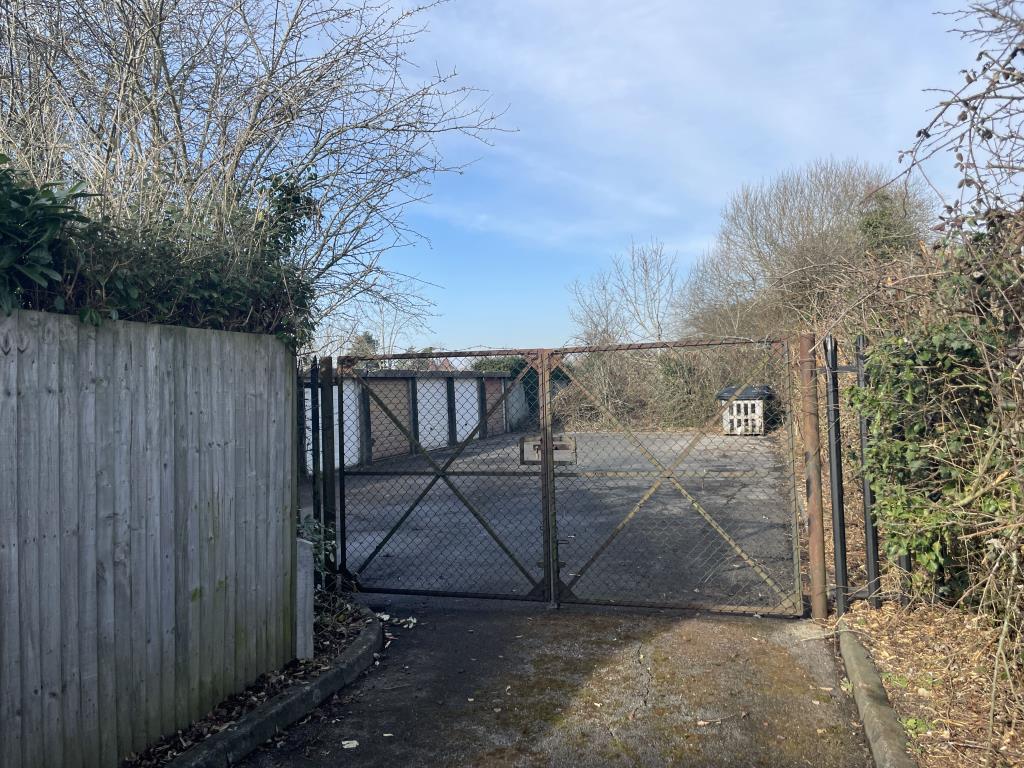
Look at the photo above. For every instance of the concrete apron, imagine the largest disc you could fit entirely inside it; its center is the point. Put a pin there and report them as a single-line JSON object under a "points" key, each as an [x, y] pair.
{"points": [[488, 683]]}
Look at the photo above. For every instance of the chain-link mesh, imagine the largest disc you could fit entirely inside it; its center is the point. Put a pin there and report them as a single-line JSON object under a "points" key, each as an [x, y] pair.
{"points": [[663, 475], [441, 501], [682, 492]]}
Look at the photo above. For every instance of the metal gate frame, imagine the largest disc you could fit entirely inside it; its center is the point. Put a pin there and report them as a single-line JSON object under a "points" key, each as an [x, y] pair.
{"points": [[550, 587], [444, 473]]}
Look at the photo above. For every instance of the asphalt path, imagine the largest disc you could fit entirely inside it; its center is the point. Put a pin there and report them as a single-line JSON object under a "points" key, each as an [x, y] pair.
{"points": [[717, 532], [499, 683]]}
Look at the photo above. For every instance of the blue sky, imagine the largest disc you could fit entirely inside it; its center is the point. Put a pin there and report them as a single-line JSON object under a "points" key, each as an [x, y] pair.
{"points": [[637, 120]]}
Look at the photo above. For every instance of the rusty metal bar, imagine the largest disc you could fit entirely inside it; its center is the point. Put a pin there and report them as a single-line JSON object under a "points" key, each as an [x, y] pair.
{"points": [[547, 482], [347, 362], [812, 472], [793, 484]]}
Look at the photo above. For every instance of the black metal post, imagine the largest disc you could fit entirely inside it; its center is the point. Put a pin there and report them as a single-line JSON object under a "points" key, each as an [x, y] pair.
{"points": [[300, 400], [452, 426], [314, 445], [342, 520], [414, 414], [330, 520], [365, 434], [870, 528], [314, 433], [481, 399], [835, 471]]}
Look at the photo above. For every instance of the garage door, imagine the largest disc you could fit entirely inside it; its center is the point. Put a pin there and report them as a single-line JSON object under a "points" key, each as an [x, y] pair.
{"points": [[432, 408], [386, 439]]}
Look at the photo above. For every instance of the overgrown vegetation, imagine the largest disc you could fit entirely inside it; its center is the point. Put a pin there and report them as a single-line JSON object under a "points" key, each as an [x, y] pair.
{"points": [[34, 223], [55, 258], [946, 387], [216, 136], [943, 402], [661, 389], [842, 248]]}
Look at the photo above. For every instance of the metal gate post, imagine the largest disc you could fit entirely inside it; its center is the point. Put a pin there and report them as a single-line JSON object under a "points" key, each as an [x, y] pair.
{"points": [[314, 433], [300, 415], [835, 474], [547, 479], [812, 472], [870, 529], [330, 520], [341, 565]]}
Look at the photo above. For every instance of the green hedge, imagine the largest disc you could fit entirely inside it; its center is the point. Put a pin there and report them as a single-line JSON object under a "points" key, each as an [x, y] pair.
{"points": [[52, 258], [944, 405]]}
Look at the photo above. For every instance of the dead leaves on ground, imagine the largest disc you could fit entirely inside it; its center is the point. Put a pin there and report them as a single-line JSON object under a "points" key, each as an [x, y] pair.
{"points": [[936, 663], [336, 623]]}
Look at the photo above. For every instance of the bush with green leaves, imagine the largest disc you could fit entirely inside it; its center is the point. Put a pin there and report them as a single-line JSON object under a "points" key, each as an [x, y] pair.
{"points": [[944, 400], [33, 224], [52, 258]]}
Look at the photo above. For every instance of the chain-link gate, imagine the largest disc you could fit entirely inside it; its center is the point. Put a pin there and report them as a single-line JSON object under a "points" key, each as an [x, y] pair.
{"points": [[651, 474]]}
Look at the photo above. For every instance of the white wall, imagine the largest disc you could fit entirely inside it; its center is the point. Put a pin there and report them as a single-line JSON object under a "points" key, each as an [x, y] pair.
{"points": [[516, 408], [467, 407], [352, 425]]}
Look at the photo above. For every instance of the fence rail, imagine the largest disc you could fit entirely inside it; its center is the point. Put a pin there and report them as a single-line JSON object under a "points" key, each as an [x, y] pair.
{"points": [[146, 530]]}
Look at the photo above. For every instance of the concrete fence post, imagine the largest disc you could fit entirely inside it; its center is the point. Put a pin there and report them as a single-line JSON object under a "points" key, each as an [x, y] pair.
{"points": [[304, 600]]}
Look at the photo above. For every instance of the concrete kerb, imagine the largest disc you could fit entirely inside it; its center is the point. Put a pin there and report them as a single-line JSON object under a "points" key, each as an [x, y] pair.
{"points": [[885, 734], [254, 728]]}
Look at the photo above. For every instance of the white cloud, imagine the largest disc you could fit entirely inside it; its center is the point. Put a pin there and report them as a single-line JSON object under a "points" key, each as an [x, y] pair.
{"points": [[642, 117]]}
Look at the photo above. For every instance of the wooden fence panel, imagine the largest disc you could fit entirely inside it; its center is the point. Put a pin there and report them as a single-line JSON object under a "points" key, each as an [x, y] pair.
{"points": [[147, 494]]}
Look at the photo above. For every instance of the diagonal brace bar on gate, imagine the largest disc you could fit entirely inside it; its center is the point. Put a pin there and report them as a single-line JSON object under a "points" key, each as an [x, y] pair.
{"points": [[668, 474]]}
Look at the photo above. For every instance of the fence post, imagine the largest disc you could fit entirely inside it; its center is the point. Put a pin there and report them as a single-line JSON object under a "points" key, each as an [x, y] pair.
{"points": [[300, 402], [414, 415], [330, 521], [870, 529], [342, 538], [835, 474], [365, 433], [812, 472], [547, 480], [453, 432], [314, 436]]}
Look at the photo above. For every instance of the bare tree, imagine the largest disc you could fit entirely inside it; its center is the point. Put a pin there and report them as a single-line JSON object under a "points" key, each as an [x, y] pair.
{"points": [[981, 121], [190, 113], [809, 246], [631, 301]]}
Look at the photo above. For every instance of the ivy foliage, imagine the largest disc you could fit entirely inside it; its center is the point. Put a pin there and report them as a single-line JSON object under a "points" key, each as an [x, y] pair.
{"points": [[943, 403], [53, 258]]}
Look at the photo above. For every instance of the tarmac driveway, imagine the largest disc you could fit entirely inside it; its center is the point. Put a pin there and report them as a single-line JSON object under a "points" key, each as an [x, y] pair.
{"points": [[493, 683]]}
